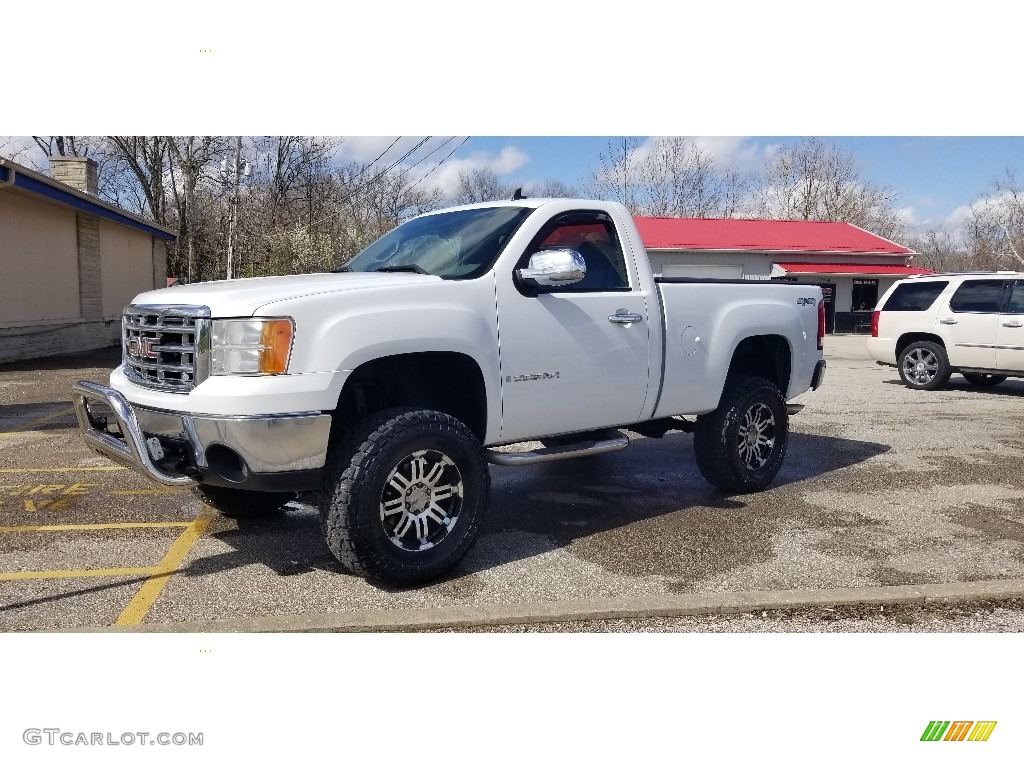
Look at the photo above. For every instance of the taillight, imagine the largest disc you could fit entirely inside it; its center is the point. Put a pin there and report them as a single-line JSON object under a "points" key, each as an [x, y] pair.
{"points": [[874, 323], [821, 324]]}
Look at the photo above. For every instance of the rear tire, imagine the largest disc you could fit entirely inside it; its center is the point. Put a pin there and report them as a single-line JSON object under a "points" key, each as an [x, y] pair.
{"points": [[984, 379], [404, 495], [924, 365], [741, 444], [236, 502]]}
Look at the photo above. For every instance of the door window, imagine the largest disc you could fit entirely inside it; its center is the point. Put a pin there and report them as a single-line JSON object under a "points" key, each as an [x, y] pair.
{"points": [[977, 296], [1016, 305], [593, 236]]}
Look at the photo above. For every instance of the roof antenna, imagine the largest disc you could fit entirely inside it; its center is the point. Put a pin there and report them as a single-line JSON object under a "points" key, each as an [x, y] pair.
{"points": [[518, 194]]}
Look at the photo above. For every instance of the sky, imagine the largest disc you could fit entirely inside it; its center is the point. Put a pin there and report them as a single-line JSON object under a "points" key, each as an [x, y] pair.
{"points": [[936, 178]]}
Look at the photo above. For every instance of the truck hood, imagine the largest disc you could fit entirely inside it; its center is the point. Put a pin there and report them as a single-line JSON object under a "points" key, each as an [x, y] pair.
{"points": [[241, 298]]}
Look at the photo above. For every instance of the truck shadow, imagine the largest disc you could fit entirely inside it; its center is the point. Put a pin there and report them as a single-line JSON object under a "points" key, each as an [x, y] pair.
{"points": [[602, 500], [14, 416], [107, 357], [641, 511]]}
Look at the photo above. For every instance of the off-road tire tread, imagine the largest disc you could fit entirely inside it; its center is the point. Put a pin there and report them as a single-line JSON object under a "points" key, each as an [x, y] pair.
{"points": [[349, 462], [714, 449]]}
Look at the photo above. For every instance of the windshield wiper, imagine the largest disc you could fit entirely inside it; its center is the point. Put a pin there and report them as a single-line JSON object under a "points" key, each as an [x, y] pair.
{"points": [[341, 269], [404, 268]]}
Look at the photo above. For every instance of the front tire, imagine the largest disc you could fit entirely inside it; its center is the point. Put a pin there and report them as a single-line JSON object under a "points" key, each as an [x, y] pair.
{"points": [[984, 379], [741, 444], [404, 495], [237, 502], [924, 365]]}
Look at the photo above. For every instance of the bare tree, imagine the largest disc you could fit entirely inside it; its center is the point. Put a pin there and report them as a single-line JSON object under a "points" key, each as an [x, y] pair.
{"points": [[614, 178], [146, 159], [78, 146], [551, 188], [812, 181], [192, 158], [667, 176], [480, 185], [941, 250]]}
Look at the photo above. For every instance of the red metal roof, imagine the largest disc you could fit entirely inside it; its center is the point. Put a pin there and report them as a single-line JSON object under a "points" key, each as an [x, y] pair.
{"points": [[804, 268], [762, 235]]}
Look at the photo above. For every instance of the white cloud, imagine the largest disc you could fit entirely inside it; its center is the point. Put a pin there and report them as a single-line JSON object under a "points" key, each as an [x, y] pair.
{"points": [[509, 159], [738, 152]]}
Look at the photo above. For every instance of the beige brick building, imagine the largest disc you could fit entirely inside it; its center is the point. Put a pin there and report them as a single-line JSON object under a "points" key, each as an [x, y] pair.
{"points": [[69, 261]]}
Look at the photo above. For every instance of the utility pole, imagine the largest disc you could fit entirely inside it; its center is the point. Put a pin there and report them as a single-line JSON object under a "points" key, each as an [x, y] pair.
{"points": [[233, 224]]}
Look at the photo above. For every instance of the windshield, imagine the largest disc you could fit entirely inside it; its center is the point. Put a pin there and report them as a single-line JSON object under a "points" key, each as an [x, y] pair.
{"points": [[455, 245]]}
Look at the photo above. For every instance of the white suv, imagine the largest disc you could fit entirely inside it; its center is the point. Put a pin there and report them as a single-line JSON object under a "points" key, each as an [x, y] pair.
{"points": [[932, 326]]}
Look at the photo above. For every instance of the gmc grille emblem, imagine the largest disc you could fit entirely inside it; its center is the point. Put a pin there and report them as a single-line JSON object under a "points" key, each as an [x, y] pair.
{"points": [[142, 346]]}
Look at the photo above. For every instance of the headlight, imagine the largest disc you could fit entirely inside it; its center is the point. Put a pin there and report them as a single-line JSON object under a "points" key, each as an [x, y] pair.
{"points": [[250, 346]]}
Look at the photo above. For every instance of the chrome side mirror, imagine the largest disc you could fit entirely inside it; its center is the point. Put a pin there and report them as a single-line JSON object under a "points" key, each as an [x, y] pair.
{"points": [[549, 269]]}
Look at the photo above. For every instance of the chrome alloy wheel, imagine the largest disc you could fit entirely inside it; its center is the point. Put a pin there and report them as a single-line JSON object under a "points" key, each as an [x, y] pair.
{"points": [[421, 500], [920, 365], [756, 437]]}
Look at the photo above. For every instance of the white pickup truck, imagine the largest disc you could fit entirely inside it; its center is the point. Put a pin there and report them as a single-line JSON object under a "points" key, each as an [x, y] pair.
{"points": [[388, 386]]}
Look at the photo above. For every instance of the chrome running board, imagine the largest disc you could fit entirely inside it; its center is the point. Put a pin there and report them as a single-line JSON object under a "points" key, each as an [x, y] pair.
{"points": [[615, 442]]}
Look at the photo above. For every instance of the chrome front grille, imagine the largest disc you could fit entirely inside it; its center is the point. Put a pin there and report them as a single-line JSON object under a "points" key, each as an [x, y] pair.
{"points": [[166, 346]]}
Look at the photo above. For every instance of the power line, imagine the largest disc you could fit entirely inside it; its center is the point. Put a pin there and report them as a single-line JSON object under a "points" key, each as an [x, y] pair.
{"points": [[366, 184], [366, 168], [442, 161]]}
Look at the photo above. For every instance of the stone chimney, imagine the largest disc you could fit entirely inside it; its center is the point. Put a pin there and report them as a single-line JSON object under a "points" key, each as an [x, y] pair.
{"points": [[78, 172]]}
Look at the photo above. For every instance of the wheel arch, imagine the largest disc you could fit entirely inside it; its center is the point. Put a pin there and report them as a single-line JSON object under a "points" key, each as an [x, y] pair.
{"points": [[910, 337], [450, 382], [767, 357]]}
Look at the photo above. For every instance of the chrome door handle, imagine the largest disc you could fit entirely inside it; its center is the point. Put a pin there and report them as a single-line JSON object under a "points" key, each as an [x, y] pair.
{"points": [[623, 317], [1013, 324], [948, 321]]}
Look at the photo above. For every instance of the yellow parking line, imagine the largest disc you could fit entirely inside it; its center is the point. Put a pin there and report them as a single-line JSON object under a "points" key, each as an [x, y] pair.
{"points": [[64, 469], [43, 420], [154, 585], [82, 574], [88, 527]]}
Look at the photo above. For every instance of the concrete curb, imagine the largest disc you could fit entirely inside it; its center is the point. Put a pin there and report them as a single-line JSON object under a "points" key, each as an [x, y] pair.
{"points": [[659, 606]]}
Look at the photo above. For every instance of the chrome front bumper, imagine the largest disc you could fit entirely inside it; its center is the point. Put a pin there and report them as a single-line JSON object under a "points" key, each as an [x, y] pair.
{"points": [[223, 450]]}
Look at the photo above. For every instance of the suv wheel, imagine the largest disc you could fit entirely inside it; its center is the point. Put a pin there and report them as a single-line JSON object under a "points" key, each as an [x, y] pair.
{"points": [[924, 365], [984, 379]]}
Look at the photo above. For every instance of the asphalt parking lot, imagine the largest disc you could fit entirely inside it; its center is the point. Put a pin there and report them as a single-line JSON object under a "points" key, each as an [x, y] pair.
{"points": [[882, 487]]}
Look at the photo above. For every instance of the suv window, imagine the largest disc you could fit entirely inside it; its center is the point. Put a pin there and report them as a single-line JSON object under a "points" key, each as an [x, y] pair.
{"points": [[977, 296], [914, 297], [1016, 306]]}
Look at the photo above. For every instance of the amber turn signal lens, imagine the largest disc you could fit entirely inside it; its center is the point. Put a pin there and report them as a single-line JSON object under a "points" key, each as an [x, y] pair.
{"points": [[275, 344]]}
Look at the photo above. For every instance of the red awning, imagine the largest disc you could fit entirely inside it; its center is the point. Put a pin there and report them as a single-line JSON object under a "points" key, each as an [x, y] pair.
{"points": [[804, 268]]}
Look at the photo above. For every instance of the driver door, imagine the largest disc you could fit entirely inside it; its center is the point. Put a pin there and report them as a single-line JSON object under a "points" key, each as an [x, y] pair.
{"points": [[574, 357]]}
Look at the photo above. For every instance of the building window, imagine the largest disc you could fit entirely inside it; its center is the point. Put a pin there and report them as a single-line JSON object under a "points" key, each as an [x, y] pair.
{"points": [[865, 295]]}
